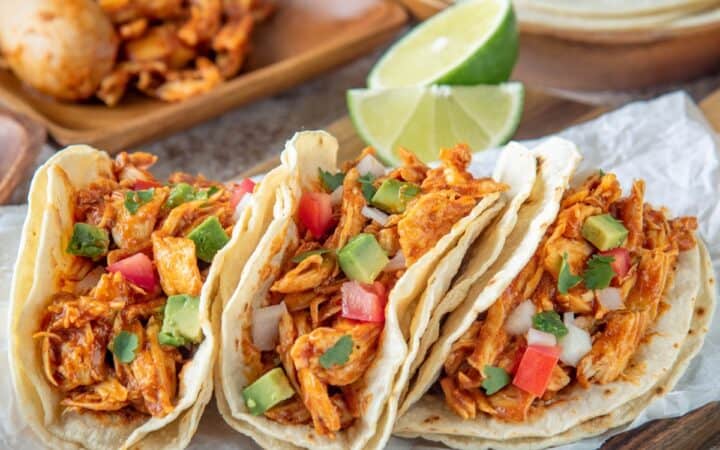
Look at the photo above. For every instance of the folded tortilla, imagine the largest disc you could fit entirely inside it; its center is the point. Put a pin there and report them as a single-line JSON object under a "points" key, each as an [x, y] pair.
{"points": [[410, 302], [42, 261]]}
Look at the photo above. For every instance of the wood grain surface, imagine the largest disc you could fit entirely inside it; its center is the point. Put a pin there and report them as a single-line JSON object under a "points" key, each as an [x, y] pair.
{"points": [[543, 115], [16, 160]]}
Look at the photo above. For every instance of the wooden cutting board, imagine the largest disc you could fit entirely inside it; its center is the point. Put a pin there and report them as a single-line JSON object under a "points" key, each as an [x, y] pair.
{"points": [[545, 114]]}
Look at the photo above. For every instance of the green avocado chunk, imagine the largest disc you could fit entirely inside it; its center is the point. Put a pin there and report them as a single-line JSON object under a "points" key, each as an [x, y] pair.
{"points": [[362, 259], [179, 194], [496, 378], [267, 391], [88, 240], [181, 322], [604, 231], [209, 237], [392, 196]]}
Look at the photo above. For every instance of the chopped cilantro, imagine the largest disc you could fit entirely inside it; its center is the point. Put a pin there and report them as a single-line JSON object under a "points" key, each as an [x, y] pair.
{"points": [[599, 272], [338, 354], [329, 181], [566, 279], [303, 255], [135, 199], [367, 187], [124, 346], [496, 378], [601, 172], [88, 240], [550, 322], [179, 194]]}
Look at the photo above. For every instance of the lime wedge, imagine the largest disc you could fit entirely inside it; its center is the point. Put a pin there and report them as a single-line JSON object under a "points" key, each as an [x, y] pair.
{"points": [[472, 42], [426, 119]]}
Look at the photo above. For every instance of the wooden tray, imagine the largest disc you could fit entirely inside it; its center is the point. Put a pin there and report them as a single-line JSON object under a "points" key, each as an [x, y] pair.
{"points": [[299, 42], [545, 114]]}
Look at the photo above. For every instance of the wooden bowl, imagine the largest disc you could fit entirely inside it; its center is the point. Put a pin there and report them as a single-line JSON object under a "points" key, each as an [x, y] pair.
{"points": [[20, 142]]}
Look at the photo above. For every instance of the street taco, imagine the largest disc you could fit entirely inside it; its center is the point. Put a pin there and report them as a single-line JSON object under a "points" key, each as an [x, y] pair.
{"points": [[315, 334], [595, 316], [110, 338]]}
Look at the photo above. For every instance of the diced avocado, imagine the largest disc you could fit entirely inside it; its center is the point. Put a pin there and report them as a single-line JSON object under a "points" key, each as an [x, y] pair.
{"points": [[181, 322], [88, 240], [179, 194], [392, 196], [604, 231], [209, 237], [267, 391], [362, 259]]}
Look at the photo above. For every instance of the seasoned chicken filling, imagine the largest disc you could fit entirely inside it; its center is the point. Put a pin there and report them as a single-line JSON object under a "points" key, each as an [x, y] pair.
{"points": [[577, 311], [126, 320], [360, 228]]}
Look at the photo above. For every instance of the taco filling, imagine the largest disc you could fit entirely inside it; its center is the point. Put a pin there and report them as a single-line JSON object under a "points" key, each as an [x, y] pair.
{"points": [[577, 312], [126, 320], [318, 329]]}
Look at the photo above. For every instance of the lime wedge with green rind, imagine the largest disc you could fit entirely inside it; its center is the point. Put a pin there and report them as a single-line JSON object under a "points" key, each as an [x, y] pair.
{"points": [[426, 119], [472, 42]]}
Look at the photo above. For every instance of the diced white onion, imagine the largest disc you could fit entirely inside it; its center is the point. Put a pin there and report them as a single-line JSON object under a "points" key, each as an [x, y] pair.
{"points": [[520, 320], [569, 318], [610, 298], [375, 214], [242, 204], [370, 165], [397, 262], [537, 337], [336, 196], [575, 344], [84, 286], [265, 326]]}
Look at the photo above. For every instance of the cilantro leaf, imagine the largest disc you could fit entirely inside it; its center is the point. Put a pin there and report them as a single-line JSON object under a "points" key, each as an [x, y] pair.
{"points": [[338, 354], [367, 187], [179, 194], [601, 172], [599, 272], [124, 346], [135, 199], [320, 251], [329, 181], [566, 279], [550, 322], [496, 378]]}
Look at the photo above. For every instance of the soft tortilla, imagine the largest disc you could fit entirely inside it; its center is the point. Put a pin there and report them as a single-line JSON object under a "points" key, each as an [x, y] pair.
{"points": [[304, 154], [610, 8], [41, 260], [702, 317]]}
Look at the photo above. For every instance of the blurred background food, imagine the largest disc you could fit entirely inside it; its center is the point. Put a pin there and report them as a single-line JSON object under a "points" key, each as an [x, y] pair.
{"points": [[167, 49]]}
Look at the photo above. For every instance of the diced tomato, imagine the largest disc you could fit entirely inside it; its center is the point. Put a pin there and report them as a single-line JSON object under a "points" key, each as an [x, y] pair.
{"points": [[315, 212], [363, 302], [621, 265], [239, 190], [137, 269], [140, 185], [535, 369]]}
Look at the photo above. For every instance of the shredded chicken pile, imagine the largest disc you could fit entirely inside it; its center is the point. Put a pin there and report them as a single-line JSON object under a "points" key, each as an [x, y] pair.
{"points": [[332, 398], [162, 40], [93, 306], [653, 242]]}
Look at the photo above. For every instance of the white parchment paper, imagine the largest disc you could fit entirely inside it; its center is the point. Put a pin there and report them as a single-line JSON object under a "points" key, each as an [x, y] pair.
{"points": [[667, 142]]}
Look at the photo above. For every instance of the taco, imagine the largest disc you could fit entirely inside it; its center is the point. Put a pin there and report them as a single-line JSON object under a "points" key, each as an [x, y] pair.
{"points": [[558, 334], [110, 338], [313, 337]]}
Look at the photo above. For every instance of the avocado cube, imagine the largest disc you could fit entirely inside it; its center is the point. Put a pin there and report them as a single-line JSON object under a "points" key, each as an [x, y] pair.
{"points": [[362, 259], [209, 237], [604, 231], [181, 322], [267, 391], [392, 196], [88, 240]]}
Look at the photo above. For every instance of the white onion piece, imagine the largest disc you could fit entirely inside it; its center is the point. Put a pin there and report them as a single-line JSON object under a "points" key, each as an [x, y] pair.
{"points": [[336, 196], [370, 165], [89, 281], [242, 204], [265, 326], [397, 262], [520, 320], [375, 214], [537, 337], [610, 298], [575, 344], [569, 318]]}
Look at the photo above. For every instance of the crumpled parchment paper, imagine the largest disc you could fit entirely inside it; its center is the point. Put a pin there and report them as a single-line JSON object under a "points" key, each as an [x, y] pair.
{"points": [[666, 142]]}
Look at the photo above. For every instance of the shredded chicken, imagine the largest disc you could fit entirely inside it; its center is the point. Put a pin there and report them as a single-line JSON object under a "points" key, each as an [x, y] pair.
{"points": [[177, 265]]}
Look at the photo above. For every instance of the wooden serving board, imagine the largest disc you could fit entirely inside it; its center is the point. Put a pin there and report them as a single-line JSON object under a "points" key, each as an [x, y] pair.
{"points": [[543, 115]]}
